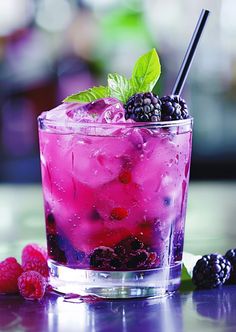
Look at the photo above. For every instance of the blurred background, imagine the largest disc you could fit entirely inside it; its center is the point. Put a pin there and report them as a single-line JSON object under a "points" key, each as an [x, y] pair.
{"points": [[52, 48]]}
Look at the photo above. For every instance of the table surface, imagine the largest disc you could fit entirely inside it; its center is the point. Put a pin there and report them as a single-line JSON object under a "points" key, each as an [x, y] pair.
{"points": [[210, 227]]}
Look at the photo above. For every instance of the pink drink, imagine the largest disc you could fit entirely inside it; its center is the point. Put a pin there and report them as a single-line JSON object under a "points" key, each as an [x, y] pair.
{"points": [[115, 198]]}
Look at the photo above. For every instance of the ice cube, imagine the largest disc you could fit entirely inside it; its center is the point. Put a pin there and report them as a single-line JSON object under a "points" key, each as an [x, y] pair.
{"points": [[107, 110]]}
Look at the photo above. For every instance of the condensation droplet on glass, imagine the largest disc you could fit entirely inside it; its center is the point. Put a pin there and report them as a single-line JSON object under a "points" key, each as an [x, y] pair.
{"points": [[170, 162]]}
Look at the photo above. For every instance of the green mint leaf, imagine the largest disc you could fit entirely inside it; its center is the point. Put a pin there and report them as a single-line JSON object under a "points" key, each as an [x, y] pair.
{"points": [[185, 276], [186, 281], [189, 261], [146, 72], [89, 95], [120, 87]]}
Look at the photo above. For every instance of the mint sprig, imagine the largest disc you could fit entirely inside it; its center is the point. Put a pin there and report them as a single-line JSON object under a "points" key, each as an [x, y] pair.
{"points": [[145, 74], [97, 92], [120, 87]]}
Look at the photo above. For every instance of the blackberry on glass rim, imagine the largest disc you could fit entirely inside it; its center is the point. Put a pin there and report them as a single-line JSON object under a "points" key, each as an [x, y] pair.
{"points": [[143, 107], [173, 108]]}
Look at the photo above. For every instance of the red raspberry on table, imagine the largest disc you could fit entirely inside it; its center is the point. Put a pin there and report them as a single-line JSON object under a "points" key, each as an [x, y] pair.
{"points": [[33, 251], [10, 270], [32, 285], [37, 265], [34, 258]]}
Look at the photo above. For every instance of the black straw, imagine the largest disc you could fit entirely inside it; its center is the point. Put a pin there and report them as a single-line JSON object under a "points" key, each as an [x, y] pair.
{"points": [[188, 58]]}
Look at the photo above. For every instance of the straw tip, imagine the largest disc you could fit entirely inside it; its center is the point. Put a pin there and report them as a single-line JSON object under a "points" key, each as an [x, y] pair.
{"points": [[206, 11]]}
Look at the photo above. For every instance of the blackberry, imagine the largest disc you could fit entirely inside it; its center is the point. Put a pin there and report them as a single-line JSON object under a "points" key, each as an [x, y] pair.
{"points": [[50, 224], [128, 245], [134, 255], [211, 271], [104, 258], [167, 201], [231, 256], [178, 246], [50, 219], [173, 108], [143, 107], [55, 251], [95, 215], [138, 259]]}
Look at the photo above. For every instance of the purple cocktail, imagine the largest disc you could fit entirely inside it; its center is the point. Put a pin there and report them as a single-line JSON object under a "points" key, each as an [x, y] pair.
{"points": [[115, 194]]}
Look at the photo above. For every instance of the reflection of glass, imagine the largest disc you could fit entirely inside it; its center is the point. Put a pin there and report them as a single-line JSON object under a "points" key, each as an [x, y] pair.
{"points": [[116, 316], [53, 313], [17, 314], [217, 304], [115, 202]]}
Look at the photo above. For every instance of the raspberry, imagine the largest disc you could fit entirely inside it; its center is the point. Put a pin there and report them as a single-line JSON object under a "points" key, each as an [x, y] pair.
{"points": [[231, 256], [119, 213], [104, 258], [173, 108], [33, 251], [125, 177], [153, 259], [36, 265], [32, 285], [34, 258], [211, 271], [10, 270], [143, 107]]}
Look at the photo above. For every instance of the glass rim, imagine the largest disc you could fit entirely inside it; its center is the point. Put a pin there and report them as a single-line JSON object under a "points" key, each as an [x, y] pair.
{"points": [[50, 123]]}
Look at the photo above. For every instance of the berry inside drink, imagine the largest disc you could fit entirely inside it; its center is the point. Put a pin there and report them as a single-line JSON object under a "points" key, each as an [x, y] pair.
{"points": [[115, 181]]}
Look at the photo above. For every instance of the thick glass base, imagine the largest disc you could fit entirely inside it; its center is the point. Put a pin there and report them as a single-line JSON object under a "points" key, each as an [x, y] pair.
{"points": [[131, 284]]}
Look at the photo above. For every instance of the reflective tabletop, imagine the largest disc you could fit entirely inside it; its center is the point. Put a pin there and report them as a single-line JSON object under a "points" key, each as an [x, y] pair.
{"points": [[210, 227]]}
